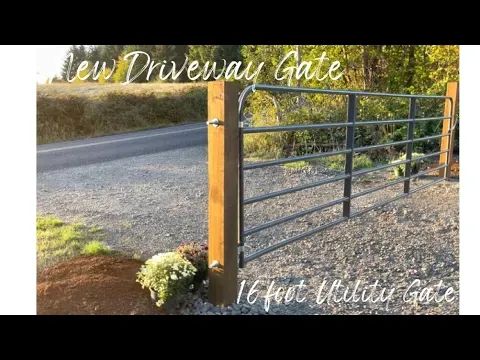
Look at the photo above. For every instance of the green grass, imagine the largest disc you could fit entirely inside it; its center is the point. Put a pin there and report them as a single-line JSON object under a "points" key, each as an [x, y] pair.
{"points": [[337, 162], [58, 241], [75, 111], [95, 247], [298, 165]]}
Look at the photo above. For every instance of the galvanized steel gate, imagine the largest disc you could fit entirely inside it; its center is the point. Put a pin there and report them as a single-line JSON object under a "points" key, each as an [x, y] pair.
{"points": [[226, 167], [349, 152]]}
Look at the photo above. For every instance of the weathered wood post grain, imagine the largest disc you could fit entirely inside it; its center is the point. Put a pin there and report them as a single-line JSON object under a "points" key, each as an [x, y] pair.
{"points": [[223, 157], [448, 141]]}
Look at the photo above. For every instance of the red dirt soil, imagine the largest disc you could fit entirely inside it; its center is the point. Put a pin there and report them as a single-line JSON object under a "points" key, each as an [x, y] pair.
{"points": [[103, 285]]}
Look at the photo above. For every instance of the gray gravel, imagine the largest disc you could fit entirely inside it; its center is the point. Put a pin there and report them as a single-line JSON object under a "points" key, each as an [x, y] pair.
{"points": [[151, 203], [147, 204]]}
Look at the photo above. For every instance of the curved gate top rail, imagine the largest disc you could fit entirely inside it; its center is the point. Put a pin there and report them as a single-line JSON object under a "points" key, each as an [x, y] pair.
{"points": [[351, 124], [290, 89], [226, 167]]}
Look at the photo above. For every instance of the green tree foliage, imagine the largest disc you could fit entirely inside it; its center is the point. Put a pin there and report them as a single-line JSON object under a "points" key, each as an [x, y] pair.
{"points": [[170, 54], [379, 68], [79, 54], [120, 73], [109, 52], [214, 53], [93, 53], [204, 53], [102, 79]]}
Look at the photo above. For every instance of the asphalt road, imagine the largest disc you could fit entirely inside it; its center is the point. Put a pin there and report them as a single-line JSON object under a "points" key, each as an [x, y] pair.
{"points": [[106, 148]]}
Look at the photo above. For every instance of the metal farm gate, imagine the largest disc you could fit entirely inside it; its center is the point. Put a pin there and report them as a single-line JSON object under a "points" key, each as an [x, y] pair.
{"points": [[226, 133]]}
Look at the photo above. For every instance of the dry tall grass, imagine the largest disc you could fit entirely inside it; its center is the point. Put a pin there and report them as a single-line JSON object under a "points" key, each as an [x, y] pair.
{"points": [[73, 111]]}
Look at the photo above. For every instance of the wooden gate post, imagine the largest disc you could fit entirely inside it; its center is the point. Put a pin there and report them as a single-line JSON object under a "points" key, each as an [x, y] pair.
{"points": [[448, 141], [223, 158]]}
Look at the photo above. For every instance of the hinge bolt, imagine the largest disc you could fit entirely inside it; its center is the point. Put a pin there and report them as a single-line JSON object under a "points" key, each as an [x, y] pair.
{"points": [[215, 122]]}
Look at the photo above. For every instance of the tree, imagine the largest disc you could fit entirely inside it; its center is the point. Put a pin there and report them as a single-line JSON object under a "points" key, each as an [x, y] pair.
{"points": [[214, 53], [204, 53], [93, 53], [157, 53], [79, 54], [171, 53], [120, 73], [109, 52]]}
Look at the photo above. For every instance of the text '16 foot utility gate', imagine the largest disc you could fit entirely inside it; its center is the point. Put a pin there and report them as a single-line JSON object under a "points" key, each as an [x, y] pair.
{"points": [[226, 202]]}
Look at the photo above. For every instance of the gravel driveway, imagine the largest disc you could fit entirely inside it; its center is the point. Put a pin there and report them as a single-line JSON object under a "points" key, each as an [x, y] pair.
{"points": [[151, 203]]}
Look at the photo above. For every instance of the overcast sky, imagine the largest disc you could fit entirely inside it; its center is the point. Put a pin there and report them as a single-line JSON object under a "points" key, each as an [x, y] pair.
{"points": [[49, 61]]}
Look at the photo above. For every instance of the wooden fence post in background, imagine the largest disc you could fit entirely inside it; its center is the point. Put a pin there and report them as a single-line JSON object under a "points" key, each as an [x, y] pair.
{"points": [[448, 142], [223, 157]]}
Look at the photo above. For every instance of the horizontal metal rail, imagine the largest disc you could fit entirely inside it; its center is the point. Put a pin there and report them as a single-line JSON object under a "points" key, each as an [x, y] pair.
{"points": [[401, 142], [428, 171], [293, 216], [342, 177], [427, 185], [380, 187], [399, 121], [396, 163], [433, 118], [427, 138], [284, 89], [266, 129], [379, 146], [397, 181], [380, 204], [383, 203], [313, 231], [262, 164], [429, 155], [378, 168], [293, 189], [382, 122], [292, 239]]}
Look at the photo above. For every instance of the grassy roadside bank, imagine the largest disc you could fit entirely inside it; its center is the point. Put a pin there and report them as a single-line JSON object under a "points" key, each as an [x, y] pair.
{"points": [[75, 111]]}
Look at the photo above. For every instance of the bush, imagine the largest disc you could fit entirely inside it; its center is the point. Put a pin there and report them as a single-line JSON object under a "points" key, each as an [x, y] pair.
{"points": [[197, 254], [362, 162], [168, 275], [399, 171], [337, 162], [264, 145]]}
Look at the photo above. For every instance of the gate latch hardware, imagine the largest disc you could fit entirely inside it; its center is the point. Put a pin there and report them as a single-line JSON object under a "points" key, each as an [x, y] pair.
{"points": [[215, 122]]}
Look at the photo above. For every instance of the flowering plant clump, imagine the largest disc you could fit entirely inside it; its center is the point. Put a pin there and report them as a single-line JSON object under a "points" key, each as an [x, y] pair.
{"points": [[197, 254], [168, 275]]}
